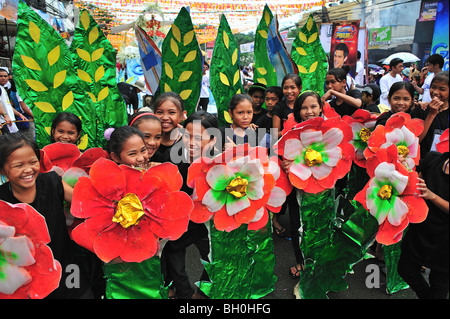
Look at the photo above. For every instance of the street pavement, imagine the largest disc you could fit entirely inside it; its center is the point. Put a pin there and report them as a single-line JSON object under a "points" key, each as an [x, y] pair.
{"points": [[285, 284]]}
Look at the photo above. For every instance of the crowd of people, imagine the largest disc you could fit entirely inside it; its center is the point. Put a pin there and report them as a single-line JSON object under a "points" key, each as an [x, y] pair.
{"points": [[153, 133]]}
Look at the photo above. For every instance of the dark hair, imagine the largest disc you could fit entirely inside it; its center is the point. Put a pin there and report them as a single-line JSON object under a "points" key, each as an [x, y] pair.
{"points": [[119, 137], [255, 88], [300, 100], [206, 119], [338, 73], [358, 55], [342, 47], [440, 77], [173, 97], [12, 142], [394, 62], [68, 117], [294, 77], [137, 118], [278, 91], [238, 98], [436, 59], [402, 85]]}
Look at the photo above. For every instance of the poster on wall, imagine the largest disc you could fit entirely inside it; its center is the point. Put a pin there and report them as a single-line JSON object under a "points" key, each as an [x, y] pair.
{"points": [[440, 36], [344, 44]]}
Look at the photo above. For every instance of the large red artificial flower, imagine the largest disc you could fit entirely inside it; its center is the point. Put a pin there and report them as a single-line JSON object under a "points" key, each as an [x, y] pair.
{"points": [[442, 146], [234, 187], [362, 123], [127, 210], [320, 152], [27, 267], [402, 131], [391, 195]]}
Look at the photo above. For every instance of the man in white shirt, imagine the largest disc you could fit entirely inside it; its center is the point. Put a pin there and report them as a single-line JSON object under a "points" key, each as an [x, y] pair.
{"points": [[393, 76], [359, 73], [435, 65]]}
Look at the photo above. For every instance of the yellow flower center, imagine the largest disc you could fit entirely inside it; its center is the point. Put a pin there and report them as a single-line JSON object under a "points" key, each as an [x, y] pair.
{"points": [[364, 134], [129, 211], [237, 187], [403, 150], [312, 157], [385, 192]]}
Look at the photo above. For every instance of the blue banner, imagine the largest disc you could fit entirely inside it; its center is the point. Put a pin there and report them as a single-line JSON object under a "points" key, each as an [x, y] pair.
{"points": [[440, 36]]}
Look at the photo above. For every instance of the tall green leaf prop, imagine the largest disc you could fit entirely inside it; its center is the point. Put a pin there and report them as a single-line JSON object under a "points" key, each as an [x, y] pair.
{"points": [[264, 71], [225, 75], [309, 55], [182, 67], [94, 60], [47, 80]]}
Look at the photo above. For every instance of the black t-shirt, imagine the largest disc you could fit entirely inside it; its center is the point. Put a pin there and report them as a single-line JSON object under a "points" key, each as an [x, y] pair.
{"points": [[49, 202], [282, 110], [344, 108], [382, 119], [440, 122], [427, 243], [373, 107], [256, 117]]}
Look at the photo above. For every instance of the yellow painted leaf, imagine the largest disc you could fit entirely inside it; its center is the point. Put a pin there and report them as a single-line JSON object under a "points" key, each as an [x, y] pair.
{"points": [[267, 18], [262, 81], [188, 37], [103, 94], [190, 56], [83, 142], [85, 20], [45, 107], [174, 47], [301, 51], [30, 63], [309, 24], [35, 32], [48, 130], [84, 76], [185, 76], [313, 67], [237, 77], [168, 69], [36, 85], [97, 54], [99, 73], [238, 91], [167, 88], [227, 117], [226, 40], [263, 33], [176, 32], [53, 55], [93, 98], [234, 58], [67, 100], [302, 37], [224, 79], [302, 69], [59, 78], [93, 35], [312, 38], [185, 94], [84, 55], [262, 71]]}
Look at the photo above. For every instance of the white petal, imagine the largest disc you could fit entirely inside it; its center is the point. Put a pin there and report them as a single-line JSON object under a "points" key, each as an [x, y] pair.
{"points": [[395, 136], [218, 177], [274, 169], [396, 215], [277, 197], [6, 231], [255, 189], [235, 205], [292, 149], [408, 136], [259, 214], [252, 170], [321, 171], [383, 171], [413, 148], [356, 128], [15, 276], [333, 156], [213, 200], [399, 181], [300, 170], [21, 248], [332, 138], [310, 136]]}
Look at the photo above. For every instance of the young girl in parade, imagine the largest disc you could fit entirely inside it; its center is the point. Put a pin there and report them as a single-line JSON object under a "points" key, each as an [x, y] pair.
{"points": [[45, 192], [401, 98], [292, 87], [240, 109], [197, 141], [150, 126], [344, 102], [66, 128], [126, 146], [169, 108], [436, 115]]}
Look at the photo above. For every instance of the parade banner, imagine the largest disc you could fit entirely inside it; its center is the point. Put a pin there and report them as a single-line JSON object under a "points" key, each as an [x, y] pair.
{"points": [[440, 37], [344, 44]]}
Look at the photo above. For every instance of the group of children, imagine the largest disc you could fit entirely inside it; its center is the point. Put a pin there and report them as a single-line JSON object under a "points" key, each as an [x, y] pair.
{"points": [[149, 139]]}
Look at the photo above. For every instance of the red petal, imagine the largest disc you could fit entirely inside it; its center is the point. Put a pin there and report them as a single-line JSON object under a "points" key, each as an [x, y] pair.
{"points": [[397, 120], [260, 223], [46, 164], [36, 227], [200, 213], [87, 202], [418, 208], [108, 179], [245, 216], [313, 187], [297, 182], [13, 215], [224, 222], [62, 155], [377, 138], [88, 158], [142, 244], [388, 234], [361, 196], [110, 244], [196, 170], [416, 126]]}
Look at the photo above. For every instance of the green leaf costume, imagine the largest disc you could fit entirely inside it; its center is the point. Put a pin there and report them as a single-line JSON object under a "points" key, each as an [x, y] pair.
{"points": [[182, 68], [309, 55], [264, 72], [225, 75], [47, 80]]}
